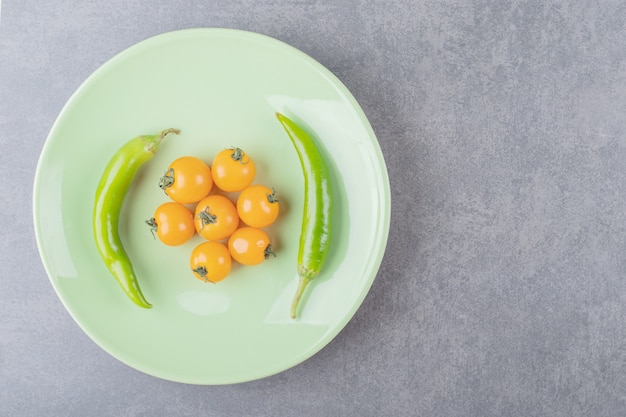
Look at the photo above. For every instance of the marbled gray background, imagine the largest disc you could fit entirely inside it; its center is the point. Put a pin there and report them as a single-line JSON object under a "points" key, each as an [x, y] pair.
{"points": [[502, 291]]}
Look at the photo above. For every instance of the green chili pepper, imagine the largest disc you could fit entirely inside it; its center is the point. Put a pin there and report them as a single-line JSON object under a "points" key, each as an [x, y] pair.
{"points": [[318, 206], [114, 184]]}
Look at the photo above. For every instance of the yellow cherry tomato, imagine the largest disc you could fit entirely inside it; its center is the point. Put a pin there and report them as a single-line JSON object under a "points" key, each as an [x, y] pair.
{"points": [[250, 246], [232, 170], [172, 223], [187, 180], [210, 261], [258, 206], [216, 217]]}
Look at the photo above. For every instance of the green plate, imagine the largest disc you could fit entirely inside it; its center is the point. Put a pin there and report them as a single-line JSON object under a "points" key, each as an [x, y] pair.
{"points": [[221, 87]]}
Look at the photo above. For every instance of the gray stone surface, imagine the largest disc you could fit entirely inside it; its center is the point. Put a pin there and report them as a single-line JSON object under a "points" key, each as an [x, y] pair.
{"points": [[502, 291]]}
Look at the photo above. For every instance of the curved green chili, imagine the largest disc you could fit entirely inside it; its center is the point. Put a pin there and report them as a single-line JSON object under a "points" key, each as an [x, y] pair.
{"points": [[114, 184], [318, 206]]}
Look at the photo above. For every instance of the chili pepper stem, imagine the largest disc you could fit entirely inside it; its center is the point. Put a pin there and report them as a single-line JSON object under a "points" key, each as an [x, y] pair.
{"points": [[154, 141], [302, 284], [168, 131]]}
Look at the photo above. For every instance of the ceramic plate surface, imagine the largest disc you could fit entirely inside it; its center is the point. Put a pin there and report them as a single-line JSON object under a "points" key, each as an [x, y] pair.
{"points": [[221, 88]]}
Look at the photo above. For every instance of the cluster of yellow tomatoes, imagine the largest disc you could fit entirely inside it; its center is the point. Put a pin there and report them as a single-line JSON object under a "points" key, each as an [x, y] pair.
{"points": [[232, 230]]}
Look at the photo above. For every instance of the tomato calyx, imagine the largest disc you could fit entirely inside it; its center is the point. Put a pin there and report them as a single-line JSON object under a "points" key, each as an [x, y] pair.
{"points": [[153, 226], [202, 272], [268, 251], [167, 180], [273, 196], [238, 155], [206, 217]]}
